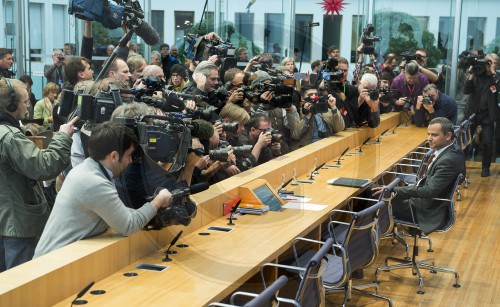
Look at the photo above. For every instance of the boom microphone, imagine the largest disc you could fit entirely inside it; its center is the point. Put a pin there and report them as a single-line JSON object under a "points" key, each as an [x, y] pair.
{"points": [[147, 33], [195, 188]]}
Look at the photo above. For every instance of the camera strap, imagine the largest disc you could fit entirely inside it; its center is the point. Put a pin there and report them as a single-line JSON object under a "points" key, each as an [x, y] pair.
{"points": [[103, 170]]}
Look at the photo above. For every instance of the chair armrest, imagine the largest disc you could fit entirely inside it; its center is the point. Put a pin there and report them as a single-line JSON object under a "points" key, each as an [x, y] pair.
{"points": [[277, 265], [220, 305], [330, 214], [364, 198], [241, 293], [399, 173], [411, 159], [406, 164]]}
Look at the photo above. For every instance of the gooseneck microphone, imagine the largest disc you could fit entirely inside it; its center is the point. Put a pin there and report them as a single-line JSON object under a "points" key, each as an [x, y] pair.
{"points": [[394, 130], [364, 143], [76, 301], [168, 252], [378, 138], [233, 210], [341, 155]]}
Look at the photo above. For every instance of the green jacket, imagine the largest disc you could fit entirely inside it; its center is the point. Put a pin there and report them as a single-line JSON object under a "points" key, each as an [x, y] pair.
{"points": [[23, 207]]}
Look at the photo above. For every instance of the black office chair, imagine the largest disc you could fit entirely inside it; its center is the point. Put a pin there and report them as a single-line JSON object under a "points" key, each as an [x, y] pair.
{"points": [[416, 232], [356, 250], [413, 178], [418, 164], [464, 140], [267, 298], [385, 221], [310, 291]]}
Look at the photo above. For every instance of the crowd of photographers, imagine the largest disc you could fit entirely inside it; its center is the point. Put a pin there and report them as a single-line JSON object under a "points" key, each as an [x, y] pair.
{"points": [[201, 121]]}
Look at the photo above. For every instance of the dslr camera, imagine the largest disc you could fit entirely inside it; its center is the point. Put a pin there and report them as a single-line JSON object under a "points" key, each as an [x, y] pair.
{"points": [[222, 152], [426, 100], [318, 105], [275, 134]]}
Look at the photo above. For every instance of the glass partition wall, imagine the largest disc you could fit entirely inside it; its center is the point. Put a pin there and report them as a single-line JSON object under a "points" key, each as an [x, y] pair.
{"points": [[284, 28]]}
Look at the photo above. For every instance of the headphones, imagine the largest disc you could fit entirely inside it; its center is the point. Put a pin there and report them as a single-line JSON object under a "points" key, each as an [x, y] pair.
{"points": [[12, 104]]}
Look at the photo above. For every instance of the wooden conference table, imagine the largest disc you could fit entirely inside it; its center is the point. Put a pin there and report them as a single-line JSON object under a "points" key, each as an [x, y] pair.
{"points": [[212, 266]]}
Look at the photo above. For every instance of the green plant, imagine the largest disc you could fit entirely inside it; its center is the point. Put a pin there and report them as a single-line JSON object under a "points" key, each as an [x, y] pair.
{"points": [[404, 31]]}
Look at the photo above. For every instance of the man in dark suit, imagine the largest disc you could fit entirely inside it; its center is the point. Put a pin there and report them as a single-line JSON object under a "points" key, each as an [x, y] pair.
{"points": [[413, 203]]}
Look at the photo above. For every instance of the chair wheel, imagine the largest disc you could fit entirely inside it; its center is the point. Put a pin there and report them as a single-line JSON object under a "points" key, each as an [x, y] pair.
{"points": [[420, 292], [414, 274], [430, 250], [456, 285], [433, 272], [407, 258]]}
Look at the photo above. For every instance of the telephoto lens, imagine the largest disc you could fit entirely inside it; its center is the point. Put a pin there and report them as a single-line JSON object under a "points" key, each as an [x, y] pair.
{"points": [[230, 127], [426, 100]]}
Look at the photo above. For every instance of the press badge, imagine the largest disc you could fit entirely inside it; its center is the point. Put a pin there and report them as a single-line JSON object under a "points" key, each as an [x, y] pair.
{"points": [[493, 89]]}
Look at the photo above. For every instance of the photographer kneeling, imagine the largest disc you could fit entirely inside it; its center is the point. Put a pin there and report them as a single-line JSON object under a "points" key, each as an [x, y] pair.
{"points": [[434, 104], [88, 202]]}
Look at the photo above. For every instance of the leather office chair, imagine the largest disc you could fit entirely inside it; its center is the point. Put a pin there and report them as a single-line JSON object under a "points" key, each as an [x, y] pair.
{"points": [[416, 232], [310, 291], [464, 139], [266, 298], [356, 250], [418, 164], [414, 178], [385, 219]]}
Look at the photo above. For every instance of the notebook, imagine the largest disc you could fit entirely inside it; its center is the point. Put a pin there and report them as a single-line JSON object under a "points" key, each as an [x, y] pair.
{"points": [[349, 182]]}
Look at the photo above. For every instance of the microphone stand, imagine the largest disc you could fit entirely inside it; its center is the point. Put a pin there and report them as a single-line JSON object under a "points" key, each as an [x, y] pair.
{"points": [[168, 252], [341, 155], [360, 150], [338, 161], [314, 171], [378, 139], [76, 301], [394, 130], [233, 210]]}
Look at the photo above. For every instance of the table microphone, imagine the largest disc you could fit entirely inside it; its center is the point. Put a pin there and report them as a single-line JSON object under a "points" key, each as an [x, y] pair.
{"points": [[315, 170], [364, 143], [233, 210], [343, 153], [76, 301], [394, 130], [167, 252], [378, 138]]}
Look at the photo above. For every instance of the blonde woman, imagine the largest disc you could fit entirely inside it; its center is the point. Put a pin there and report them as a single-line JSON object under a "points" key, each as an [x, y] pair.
{"points": [[43, 108]]}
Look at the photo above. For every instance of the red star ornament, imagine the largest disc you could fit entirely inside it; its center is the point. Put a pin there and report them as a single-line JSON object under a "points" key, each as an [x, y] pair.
{"points": [[333, 6]]}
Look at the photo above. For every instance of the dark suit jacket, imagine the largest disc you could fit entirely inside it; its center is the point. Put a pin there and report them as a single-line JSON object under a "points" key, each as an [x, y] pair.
{"points": [[437, 183]]}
